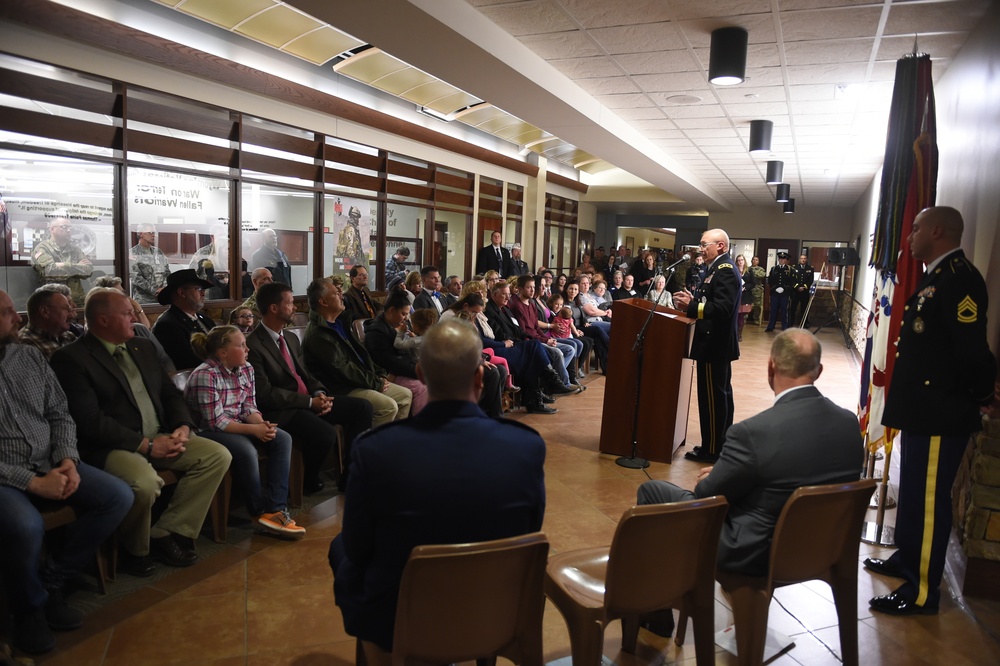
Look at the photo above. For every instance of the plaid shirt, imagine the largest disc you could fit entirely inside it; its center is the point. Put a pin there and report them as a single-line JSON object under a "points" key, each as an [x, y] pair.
{"points": [[44, 342], [36, 430], [221, 396]]}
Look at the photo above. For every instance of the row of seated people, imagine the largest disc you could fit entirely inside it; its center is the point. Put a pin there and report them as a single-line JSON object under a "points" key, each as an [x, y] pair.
{"points": [[449, 475]]}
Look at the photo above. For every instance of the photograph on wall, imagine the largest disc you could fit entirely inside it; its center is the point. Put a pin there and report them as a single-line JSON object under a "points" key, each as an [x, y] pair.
{"points": [[352, 229]]}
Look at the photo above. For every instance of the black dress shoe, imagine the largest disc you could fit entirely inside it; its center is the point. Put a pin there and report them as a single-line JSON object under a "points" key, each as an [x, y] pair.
{"points": [[546, 399], [60, 615], [540, 409], [312, 487], [884, 567], [166, 550], [140, 566], [897, 604], [32, 633], [701, 456], [561, 389]]}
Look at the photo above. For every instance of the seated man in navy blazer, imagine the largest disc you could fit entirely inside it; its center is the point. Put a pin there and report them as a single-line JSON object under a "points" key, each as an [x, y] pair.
{"points": [[771, 454], [449, 474]]}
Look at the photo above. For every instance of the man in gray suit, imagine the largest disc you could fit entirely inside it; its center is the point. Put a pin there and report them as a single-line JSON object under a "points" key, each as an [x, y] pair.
{"points": [[768, 456]]}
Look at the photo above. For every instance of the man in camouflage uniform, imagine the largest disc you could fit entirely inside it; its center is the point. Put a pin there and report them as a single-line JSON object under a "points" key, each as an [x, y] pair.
{"points": [[758, 291], [148, 266], [59, 260]]}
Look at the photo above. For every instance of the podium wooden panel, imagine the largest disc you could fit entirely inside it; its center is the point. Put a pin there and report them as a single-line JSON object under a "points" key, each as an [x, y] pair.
{"points": [[665, 395]]}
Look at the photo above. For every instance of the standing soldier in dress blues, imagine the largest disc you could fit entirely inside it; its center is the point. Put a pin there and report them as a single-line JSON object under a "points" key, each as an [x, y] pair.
{"points": [[802, 279], [944, 374], [780, 280], [714, 346]]}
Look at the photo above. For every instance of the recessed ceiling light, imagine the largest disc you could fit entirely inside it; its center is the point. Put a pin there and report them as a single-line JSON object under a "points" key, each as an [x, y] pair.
{"points": [[680, 100]]}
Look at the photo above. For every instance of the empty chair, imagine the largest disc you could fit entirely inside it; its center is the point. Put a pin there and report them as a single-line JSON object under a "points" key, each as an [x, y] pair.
{"points": [[470, 602], [299, 331], [300, 319], [181, 378], [816, 537], [662, 556]]}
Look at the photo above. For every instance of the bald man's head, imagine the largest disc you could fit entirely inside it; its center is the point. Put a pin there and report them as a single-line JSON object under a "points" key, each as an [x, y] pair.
{"points": [[936, 231]]}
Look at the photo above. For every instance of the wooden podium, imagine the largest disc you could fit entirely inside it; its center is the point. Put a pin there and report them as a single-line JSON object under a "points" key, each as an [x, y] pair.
{"points": [[665, 395]]}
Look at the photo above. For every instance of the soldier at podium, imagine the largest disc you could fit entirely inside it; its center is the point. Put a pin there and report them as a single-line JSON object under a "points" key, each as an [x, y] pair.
{"points": [[714, 347]]}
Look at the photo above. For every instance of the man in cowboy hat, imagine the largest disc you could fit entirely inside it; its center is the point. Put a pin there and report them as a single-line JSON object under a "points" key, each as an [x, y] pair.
{"points": [[185, 294]]}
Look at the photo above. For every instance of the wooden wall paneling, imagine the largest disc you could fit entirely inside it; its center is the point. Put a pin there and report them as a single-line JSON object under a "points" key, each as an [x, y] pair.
{"points": [[406, 170], [351, 179], [280, 167], [182, 149], [341, 155], [399, 188], [163, 115], [56, 127], [63, 93]]}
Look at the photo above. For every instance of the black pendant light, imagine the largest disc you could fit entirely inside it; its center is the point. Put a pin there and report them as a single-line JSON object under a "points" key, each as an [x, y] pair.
{"points": [[775, 170], [727, 62], [782, 192], [789, 206], [760, 137]]}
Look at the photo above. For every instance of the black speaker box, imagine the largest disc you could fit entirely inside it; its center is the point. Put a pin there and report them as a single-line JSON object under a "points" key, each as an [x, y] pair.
{"points": [[843, 256]]}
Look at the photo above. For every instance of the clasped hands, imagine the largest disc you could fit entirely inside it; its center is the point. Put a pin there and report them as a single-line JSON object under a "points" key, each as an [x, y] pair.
{"points": [[58, 484]]}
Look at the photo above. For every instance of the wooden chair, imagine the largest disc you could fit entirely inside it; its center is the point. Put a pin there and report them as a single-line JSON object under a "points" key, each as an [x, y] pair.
{"points": [[299, 331], [468, 602], [300, 319], [816, 537], [662, 556], [358, 328]]}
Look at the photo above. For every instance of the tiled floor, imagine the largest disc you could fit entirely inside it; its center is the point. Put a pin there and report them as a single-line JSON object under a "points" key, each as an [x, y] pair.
{"points": [[267, 602]]}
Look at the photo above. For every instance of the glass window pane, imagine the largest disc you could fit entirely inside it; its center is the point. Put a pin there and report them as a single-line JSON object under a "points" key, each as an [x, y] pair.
{"points": [[59, 214], [450, 242], [404, 229], [348, 226], [180, 220], [276, 234]]}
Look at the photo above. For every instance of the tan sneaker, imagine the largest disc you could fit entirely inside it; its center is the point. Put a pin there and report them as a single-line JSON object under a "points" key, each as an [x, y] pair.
{"points": [[282, 524]]}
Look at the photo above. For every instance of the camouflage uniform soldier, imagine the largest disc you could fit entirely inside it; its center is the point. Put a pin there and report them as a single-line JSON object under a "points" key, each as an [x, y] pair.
{"points": [[148, 266], [758, 291], [58, 260]]}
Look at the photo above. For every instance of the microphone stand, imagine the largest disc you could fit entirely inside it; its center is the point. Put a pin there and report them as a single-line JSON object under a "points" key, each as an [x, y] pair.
{"points": [[634, 461]]}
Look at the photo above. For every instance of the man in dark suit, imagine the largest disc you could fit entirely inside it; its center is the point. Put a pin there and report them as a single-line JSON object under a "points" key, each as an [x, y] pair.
{"points": [[449, 474], [357, 297], [766, 457], [185, 294], [288, 394], [494, 257], [715, 344], [132, 421], [452, 291], [430, 296], [943, 377]]}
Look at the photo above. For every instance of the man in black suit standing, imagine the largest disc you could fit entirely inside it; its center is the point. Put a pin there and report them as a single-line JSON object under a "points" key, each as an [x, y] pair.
{"points": [[943, 378], [518, 266], [494, 257], [132, 421], [766, 457], [449, 474], [715, 344], [287, 394]]}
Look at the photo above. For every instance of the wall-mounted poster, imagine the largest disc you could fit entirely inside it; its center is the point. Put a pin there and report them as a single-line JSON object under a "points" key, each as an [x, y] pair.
{"points": [[352, 229]]}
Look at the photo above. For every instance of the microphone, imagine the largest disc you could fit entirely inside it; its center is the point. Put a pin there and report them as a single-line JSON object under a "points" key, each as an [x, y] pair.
{"points": [[686, 257]]}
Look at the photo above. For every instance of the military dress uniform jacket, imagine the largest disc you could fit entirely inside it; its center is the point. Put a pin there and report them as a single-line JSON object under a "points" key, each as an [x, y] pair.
{"points": [[944, 368], [802, 276], [781, 276], [716, 311]]}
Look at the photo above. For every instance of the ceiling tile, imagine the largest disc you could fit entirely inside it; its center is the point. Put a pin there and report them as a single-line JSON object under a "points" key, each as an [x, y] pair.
{"points": [[667, 99], [320, 46], [608, 85], [751, 93], [719, 8], [765, 76], [695, 111], [641, 113], [658, 62], [624, 101], [654, 124], [640, 38], [562, 45], [829, 51], [663, 134], [530, 18], [944, 45], [757, 109], [960, 15], [811, 74], [812, 92], [226, 13], [702, 123], [824, 106], [679, 81], [587, 68], [603, 13], [712, 134], [277, 26], [759, 26], [826, 24]]}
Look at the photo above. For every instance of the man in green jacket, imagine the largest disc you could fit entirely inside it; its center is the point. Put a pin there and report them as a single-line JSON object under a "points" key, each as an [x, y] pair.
{"points": [[341, 363]]}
